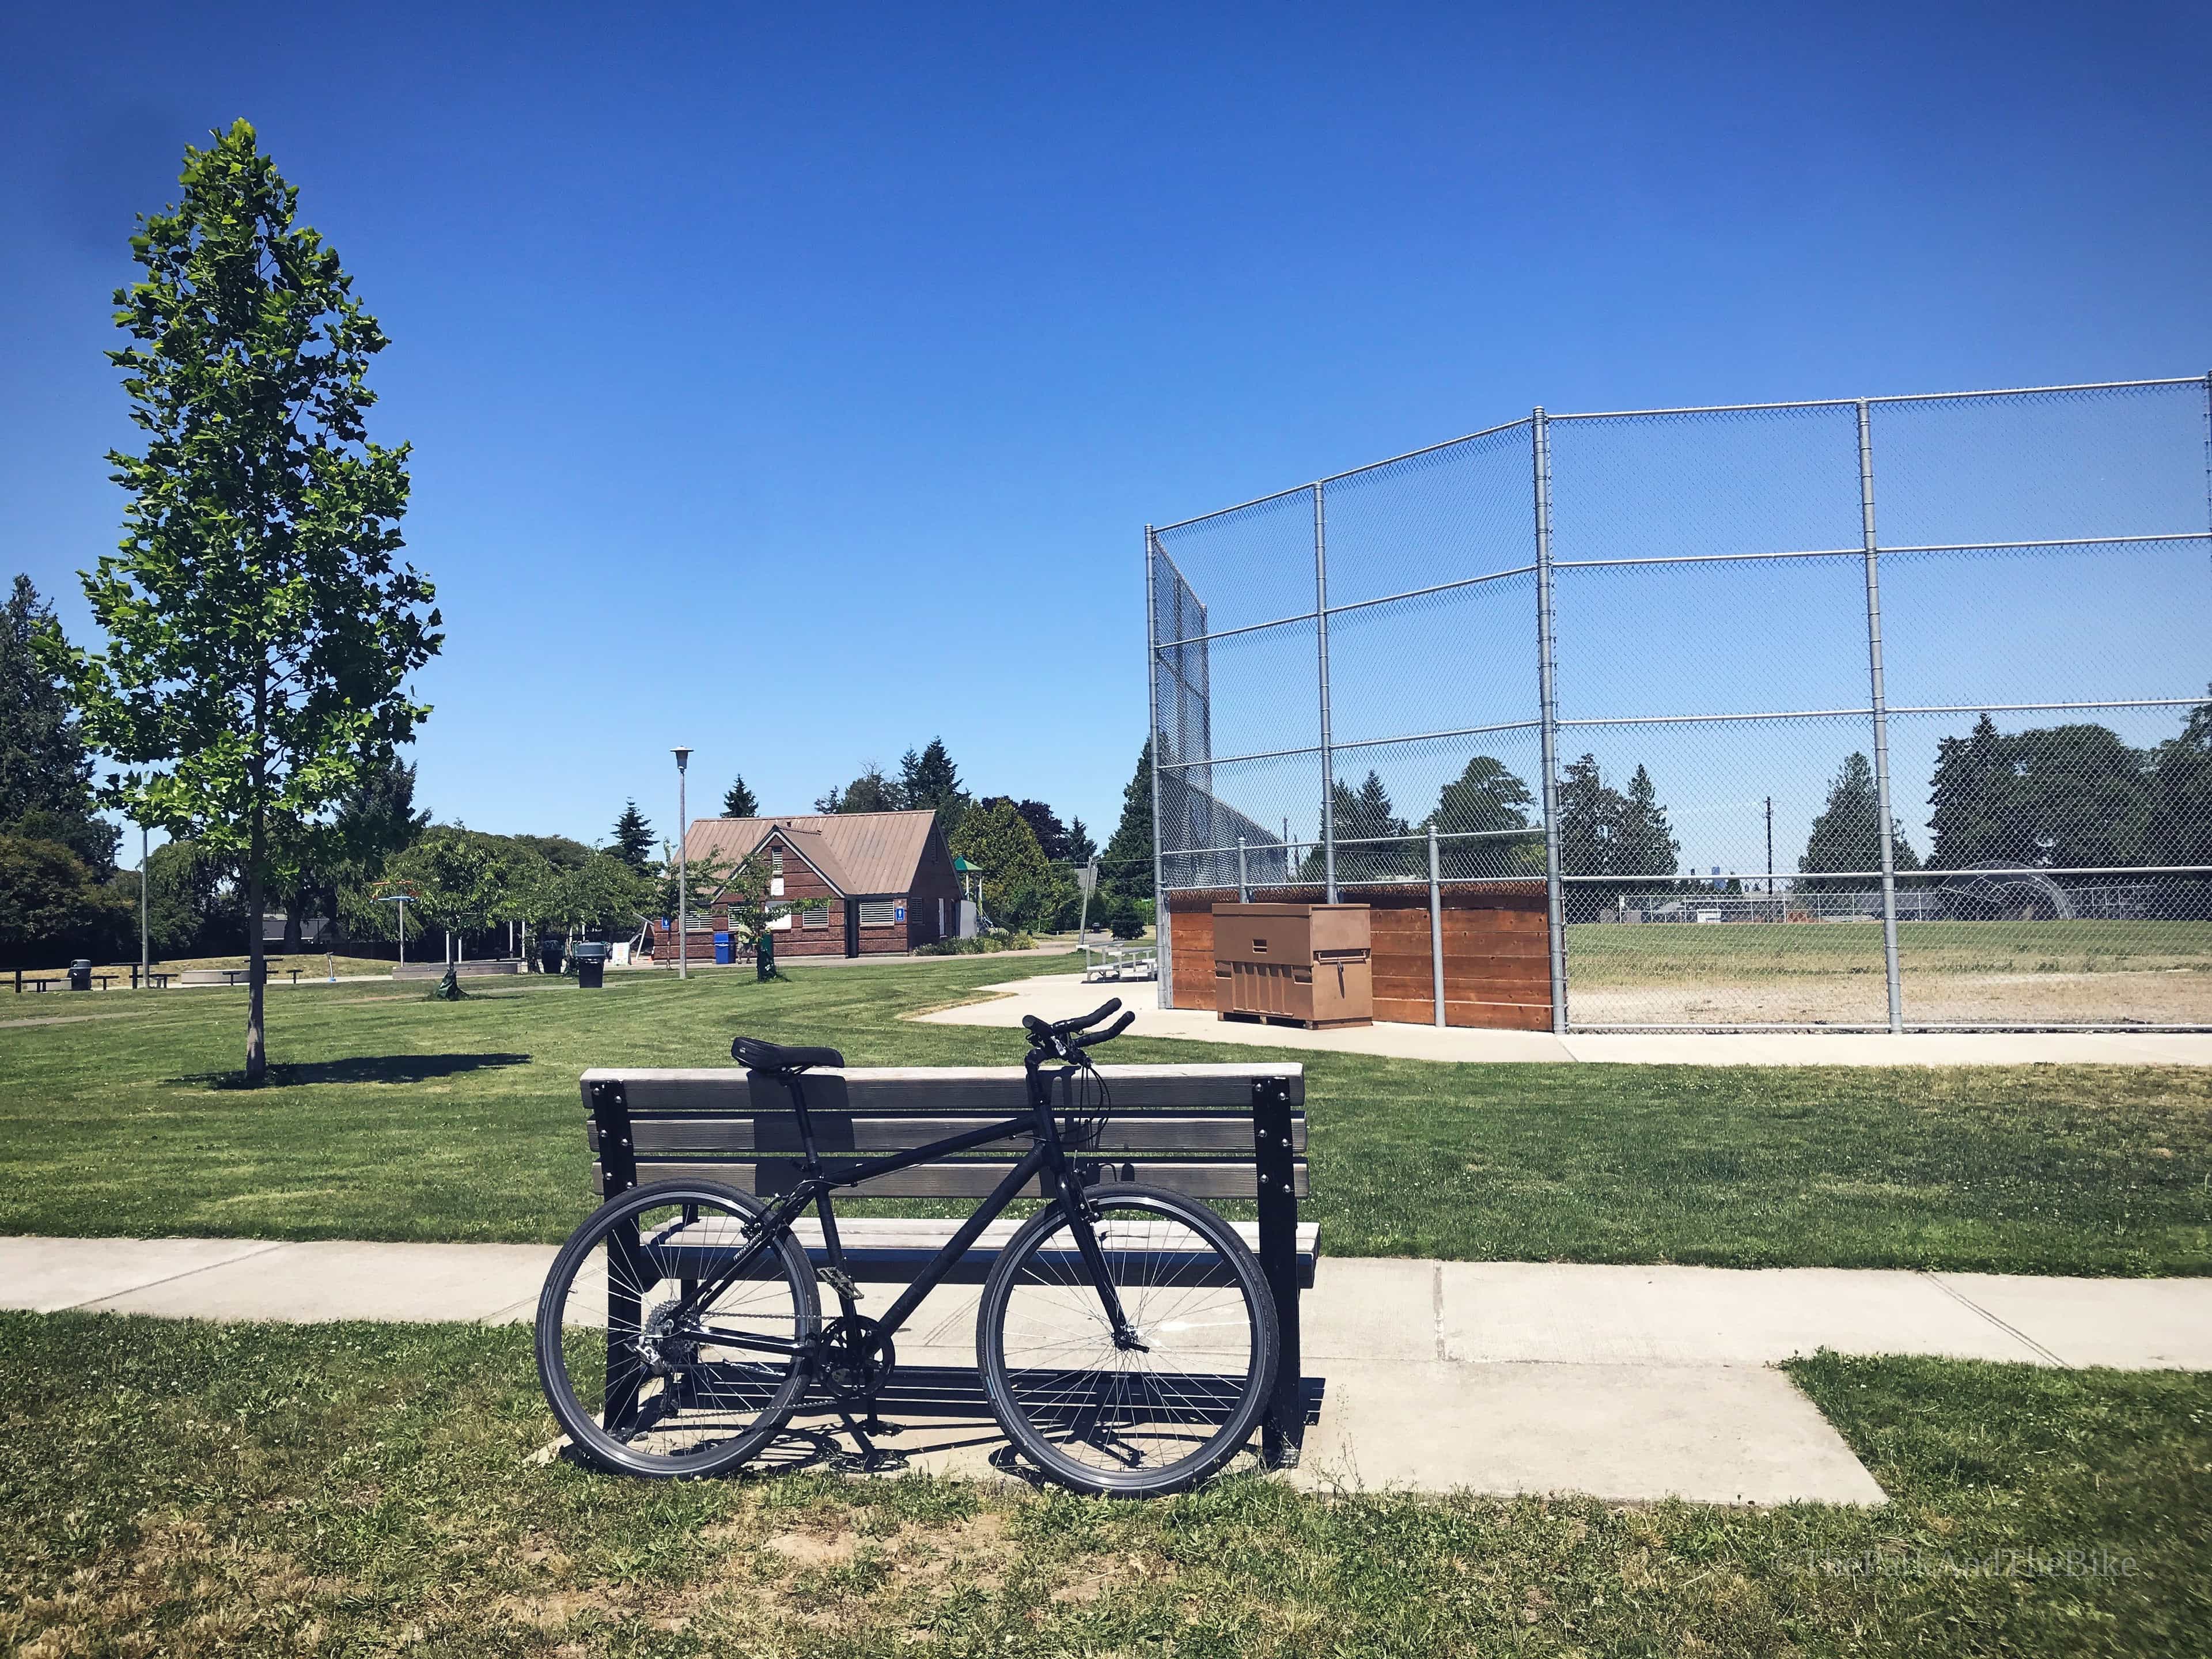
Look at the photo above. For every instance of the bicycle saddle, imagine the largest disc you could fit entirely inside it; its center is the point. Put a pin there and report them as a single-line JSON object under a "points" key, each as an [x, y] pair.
{"points": [[758, 1056]]}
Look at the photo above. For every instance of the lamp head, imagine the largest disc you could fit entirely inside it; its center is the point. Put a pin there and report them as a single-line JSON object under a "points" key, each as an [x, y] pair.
{"points": [[682, 758]]}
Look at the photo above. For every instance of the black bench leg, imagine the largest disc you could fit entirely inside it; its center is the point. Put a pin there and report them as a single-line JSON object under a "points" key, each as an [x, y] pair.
{"points": [[1284, 1434], [625, 1311]]}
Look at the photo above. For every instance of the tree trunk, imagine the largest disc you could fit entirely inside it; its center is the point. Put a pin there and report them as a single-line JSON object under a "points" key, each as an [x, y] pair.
{"points": [[293, 908], [257, 964]]}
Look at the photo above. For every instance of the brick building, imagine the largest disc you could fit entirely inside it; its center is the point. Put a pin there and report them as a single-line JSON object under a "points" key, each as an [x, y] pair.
{"points": [[886, 878]]}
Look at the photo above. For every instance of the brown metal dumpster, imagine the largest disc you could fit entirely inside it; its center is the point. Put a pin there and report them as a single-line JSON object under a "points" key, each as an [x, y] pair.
{"points": [[1310, 964]]}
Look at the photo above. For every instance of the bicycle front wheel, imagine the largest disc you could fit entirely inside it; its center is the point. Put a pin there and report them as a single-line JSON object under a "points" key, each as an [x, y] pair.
{"points": [[642, 1388], [1122, 1420]]}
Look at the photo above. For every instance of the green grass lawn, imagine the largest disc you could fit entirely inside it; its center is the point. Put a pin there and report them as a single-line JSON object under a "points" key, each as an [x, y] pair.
{"points": [[195, 1489], [392, 1116]]}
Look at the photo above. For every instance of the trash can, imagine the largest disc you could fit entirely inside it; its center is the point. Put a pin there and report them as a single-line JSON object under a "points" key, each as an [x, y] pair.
{"points": [[80, 975], [591, 959], [548, 953], [722, 955]]}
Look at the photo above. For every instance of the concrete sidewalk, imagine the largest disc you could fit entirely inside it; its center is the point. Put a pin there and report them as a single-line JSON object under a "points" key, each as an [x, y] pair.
{"points": [[1630, 1383], [1058, 996]]}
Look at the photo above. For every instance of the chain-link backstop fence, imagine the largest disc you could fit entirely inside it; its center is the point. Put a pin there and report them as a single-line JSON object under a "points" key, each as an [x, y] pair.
{"points": [[1675, 670]]}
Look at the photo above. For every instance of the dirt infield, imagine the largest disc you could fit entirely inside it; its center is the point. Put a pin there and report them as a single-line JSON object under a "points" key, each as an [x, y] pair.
{"points": [[2106, 973]]}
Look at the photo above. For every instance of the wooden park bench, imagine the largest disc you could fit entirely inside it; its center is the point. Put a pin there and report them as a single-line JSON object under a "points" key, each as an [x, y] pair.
{"points": [[1222, 1133]]}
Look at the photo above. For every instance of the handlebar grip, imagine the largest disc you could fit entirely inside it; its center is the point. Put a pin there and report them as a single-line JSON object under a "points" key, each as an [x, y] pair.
{"points": [[1091, 1018], [1035, 1027], [1109, 1033]]}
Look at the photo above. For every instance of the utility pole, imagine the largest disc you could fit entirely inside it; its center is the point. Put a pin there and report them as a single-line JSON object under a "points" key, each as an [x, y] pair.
{"points": [[1770, 852], [145, 955], [683, 872]]}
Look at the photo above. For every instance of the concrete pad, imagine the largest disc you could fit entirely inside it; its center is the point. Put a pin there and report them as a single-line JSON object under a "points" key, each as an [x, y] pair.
{"points": [[1609, 1315], [1710, 1433], [2137, 1324], [1370, 1307], [48, 1274], [1058, 996], [341, 1281]]}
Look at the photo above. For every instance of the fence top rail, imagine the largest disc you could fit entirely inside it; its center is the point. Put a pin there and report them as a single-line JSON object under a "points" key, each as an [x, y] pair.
{"points": [[1699, 409]]}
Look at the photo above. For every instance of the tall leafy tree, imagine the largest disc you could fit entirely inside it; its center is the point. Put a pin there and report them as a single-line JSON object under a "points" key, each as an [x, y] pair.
{"points": [[1017, 880], [633, 839], [1846, 833], [1604, 832], [2180, 831], [1976, 804], [740, 802], [1487, 799], [260, 630], [871, 792], [46, 776], [2086, 795], [1362, 815]]}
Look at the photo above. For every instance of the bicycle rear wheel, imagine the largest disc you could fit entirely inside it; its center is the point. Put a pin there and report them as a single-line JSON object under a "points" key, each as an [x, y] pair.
{"points": [[1130, 1421], [637, 1390]]}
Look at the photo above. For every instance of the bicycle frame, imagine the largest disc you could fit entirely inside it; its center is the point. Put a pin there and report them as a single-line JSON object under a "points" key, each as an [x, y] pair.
{"points": [[1046, 1157]]}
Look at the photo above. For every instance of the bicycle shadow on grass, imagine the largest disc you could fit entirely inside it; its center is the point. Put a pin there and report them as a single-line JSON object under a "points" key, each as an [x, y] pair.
{"points": [[363, 1068]]}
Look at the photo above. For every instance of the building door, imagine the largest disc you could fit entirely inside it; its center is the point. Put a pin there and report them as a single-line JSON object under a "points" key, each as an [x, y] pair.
{"points": [[852, 927]]}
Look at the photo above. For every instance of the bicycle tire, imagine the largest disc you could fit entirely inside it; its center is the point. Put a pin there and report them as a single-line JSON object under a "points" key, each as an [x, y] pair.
{"points": [[1063, 1390], [736, 1405]]}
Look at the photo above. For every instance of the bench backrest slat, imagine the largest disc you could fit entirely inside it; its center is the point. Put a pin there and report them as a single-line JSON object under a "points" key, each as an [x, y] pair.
{"points": [[840, 1132], [965, 1178], [932, 1089]]}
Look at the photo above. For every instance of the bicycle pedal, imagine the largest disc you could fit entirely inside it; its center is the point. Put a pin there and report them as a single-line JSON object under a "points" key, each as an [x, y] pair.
{"points": [[840, 1281]]}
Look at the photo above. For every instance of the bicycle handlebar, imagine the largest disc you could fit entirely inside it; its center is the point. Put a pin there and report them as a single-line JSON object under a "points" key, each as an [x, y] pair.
{"points": [[1056, 1035]]}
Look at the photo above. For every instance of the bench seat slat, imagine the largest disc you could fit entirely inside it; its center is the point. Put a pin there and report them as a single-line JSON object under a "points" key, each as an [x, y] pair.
{"points": [[946, 1089], [962, 1177], [836, 1132], [891, 1251]]}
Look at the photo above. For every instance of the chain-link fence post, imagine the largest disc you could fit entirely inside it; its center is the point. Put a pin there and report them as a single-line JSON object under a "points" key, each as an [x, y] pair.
{"points": [[1163, 951], [1435, 924], [1243, 874], [1321, 634], [1881, 706], [1548, 715]]}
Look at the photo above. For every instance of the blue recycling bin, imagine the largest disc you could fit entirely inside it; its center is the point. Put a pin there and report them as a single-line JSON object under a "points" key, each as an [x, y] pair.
{"points": [[722, 957]]}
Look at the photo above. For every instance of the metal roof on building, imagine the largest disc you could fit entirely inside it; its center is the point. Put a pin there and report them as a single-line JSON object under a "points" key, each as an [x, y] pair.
{"points": [[858, 853]]}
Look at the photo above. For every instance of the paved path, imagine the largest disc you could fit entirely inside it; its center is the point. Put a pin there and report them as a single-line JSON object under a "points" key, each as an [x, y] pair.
{"points": [[1057, 996], [1628, 1382]]}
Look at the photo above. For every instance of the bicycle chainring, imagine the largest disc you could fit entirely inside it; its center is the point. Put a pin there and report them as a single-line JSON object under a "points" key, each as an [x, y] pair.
{"points": [[851, 1360]]}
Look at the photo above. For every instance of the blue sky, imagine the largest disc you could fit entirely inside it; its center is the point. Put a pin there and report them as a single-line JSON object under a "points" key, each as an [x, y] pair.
{"points": [[729, 334]]}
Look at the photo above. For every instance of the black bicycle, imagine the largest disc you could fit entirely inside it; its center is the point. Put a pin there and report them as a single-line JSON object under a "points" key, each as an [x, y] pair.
{"points": [[1125, 1336]]}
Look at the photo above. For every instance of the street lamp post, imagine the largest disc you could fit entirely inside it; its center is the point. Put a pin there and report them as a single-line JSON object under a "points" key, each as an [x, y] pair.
{"points": [[683, 872], [399, 899]]}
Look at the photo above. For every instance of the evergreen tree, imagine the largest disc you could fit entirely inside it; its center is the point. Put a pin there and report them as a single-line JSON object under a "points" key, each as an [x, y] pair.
{"points": [[1362, 816], [1081, 849], [831, 800], [1645, 845], [1846, 836], [633, 839], [740, 802], [1126, 861], [1976, 802], [929, 780], [1590, 817], [46, 776]]}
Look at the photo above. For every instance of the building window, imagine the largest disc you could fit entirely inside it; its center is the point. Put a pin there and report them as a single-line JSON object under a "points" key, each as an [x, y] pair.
{"points": [[817, 917], [775, 861], [877, 913]]}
